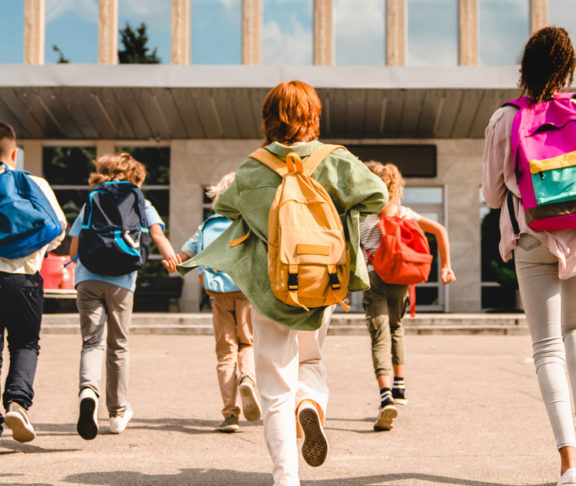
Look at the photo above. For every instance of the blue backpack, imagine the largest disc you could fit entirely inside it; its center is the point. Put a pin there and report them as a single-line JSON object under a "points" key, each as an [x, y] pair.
{"points": [[27, 220], [114, 237], [213, 281]]}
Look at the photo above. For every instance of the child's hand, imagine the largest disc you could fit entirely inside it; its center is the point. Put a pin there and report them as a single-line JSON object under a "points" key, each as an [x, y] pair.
{"points": [[447, 275], [171, 262]]}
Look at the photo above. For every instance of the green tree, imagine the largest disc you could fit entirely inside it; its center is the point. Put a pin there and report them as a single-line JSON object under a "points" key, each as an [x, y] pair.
{"points": [[135, 49], [62, 59]]}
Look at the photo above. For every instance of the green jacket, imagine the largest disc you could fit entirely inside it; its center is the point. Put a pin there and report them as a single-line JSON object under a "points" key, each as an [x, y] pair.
{"points": [[356, 193]]}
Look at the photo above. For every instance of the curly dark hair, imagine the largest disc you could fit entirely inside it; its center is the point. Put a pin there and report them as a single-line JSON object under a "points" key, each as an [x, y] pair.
{"points": [[547, 63]]}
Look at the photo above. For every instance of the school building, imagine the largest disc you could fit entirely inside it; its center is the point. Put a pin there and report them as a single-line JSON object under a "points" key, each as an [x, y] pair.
{"points": [[192, 123]]}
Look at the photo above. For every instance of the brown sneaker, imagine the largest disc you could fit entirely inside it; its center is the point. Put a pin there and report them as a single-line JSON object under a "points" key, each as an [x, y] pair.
{"points": [[17, 420], [315, 445], [250, 403], [229, 425]]}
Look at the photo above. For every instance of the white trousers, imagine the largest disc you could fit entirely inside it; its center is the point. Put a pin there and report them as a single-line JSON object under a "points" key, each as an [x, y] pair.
{"points": [[289, 369], [550, 305]]}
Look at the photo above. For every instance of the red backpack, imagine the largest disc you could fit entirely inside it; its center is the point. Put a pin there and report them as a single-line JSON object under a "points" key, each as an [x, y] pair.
{"points": [[403, 255]]}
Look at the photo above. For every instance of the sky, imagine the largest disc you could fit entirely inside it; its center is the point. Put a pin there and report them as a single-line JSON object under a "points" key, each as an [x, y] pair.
{"points": [[287, 30]]}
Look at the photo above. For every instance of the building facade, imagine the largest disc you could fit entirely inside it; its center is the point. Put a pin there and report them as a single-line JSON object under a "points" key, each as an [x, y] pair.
{"points": [[192, 123]]}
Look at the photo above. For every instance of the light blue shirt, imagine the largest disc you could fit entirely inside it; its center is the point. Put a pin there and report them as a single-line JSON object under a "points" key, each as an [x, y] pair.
{"points": [[127, 281]]}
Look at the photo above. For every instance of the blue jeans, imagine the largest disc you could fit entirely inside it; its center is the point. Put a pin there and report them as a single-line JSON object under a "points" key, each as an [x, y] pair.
{"points": [[21, 299]]}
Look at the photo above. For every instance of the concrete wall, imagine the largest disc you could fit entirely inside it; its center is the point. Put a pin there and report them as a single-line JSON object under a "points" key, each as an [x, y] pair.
{"points": [[198, 163]]}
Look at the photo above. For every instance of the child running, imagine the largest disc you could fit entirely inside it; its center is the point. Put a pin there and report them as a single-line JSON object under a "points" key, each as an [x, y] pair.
{"points": [[105, 306], [385, 303], [232, 328], [21, 285], [290, 372]]}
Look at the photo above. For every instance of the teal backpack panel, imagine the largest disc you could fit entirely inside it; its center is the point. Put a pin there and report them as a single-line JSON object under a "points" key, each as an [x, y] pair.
{"points": [[214, 281]]}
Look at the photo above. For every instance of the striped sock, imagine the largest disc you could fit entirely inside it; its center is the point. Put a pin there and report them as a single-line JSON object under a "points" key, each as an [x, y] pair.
{"points": [[398, 388], [386, 397]]}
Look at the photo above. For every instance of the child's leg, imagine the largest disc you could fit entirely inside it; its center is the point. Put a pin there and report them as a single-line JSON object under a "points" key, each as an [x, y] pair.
{"points": [[245, 338], [397, 299], [22, 315], [377, 319], [276, 359], [90, 303], [224, 318], [119, 302]]}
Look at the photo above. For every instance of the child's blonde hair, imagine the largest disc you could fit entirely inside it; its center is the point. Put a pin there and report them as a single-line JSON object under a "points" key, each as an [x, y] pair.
{"points": [[117, 167], [391, 176], [215, 190]]}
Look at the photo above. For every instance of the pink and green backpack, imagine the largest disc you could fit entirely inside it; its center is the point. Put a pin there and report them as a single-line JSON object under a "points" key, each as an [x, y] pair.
{"points": [[544, 142]]}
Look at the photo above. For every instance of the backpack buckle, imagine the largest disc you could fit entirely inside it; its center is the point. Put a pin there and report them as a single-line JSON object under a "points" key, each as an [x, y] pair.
{"points": [[292, 281], [334, 281]]}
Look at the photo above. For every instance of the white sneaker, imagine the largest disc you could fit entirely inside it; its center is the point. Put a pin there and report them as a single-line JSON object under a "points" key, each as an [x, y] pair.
{"points": [[315, 445], [17, 420], [119, 422], [87, 426], [568, 478], [249, 398]]}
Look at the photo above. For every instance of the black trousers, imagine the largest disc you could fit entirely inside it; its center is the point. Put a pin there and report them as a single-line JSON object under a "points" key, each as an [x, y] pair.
{"points": [[21, 300]]}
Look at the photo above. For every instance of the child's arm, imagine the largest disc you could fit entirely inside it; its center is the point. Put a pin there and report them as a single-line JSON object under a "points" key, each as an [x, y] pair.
{"points": [[171, 259], [430, 226], [73, 247]]}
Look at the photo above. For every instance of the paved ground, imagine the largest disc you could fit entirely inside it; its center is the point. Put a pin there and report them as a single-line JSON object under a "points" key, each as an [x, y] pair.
{"points": [[474, 418]]}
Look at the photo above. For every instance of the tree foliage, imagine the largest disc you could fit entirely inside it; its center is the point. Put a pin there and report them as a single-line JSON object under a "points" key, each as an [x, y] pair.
{"points": [[135, 46]]}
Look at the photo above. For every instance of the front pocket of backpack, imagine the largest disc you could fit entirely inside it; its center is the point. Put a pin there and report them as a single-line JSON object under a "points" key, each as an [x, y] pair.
{"points": [[311, 246]]}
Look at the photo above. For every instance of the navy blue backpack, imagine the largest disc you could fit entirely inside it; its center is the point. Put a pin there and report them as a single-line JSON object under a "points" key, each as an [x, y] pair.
{"points": [[27, 220], [114, 237]]}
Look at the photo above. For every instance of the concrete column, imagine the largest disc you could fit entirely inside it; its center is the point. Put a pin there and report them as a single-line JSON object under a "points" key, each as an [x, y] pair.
{"points": [[468, 32], [323, 38], [108, 32], [538, 14], [181, 32], [395, 32], [34, 31], [252, 32], [33, 156], [105, 147]]}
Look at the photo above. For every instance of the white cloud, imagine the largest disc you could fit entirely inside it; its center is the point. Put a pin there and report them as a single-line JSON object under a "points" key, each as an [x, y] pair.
{"points": [[359, 31], [86, 9], [281, 47]]}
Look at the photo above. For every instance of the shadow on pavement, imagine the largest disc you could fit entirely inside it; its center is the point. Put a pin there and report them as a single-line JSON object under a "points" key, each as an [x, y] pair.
{"points": [[185, 425], [218, 477]]}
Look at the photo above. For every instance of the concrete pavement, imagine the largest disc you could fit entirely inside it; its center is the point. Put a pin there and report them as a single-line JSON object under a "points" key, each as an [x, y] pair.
{"points": [[474, 418]]}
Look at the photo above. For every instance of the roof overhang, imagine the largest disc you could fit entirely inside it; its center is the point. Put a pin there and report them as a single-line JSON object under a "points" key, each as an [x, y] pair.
{"points": [[141, 102]]}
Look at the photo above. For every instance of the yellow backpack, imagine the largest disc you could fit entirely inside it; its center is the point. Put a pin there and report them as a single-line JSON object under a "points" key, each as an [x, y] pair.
{"points": [[308, 258]]}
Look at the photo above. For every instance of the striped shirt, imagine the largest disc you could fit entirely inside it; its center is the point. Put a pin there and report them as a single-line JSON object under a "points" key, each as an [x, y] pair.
{"points": [[370, 233]]}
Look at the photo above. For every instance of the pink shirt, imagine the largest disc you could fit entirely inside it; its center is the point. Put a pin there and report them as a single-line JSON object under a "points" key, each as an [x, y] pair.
{"points": [[498, 177]]}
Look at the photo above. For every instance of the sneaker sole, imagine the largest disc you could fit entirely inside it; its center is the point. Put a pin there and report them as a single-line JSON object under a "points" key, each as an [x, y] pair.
{"points": [[229, 430], [400, 401], [386, 419], [250, 406], [86, 427], [315, 446], [17, 424]]}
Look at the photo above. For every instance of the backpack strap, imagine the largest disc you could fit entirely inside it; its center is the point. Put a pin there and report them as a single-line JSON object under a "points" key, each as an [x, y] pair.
{"points": [[270, 160], [312, 162]]}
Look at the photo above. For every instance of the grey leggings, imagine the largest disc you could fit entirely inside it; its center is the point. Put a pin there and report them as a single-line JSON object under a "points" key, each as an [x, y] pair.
{"points": [[550, 305]]}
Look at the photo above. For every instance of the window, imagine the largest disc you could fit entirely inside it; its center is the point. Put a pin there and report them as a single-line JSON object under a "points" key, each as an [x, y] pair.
{"points": [[157, 18], [72, 31], [561, 13], [499, 288], [412, 160], [354, 46], [287, 32], [504, 27], [432, 32], [429, 203], [12, 32], [216, 27], [156, 188]]}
